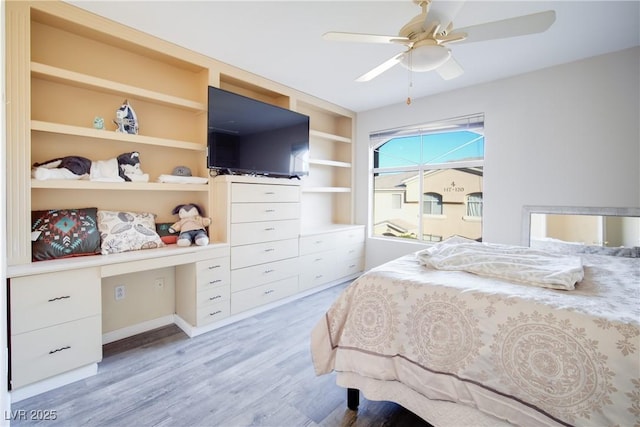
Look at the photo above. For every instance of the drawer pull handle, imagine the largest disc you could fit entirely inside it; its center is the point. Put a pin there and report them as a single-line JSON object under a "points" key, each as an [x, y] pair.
{"points": [[317, 259], [269, 250], [213, 266], [269, 271], [269, 210], [318, 276], [215, 312], [269, 192], [352, 266], [216, 297], [215, 281], [269, 229], [60, 349], [270, 291], [59, 298]]}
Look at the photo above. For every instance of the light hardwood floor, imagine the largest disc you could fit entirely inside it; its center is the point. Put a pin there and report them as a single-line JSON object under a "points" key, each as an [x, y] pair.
{"points": [[256, 372]]}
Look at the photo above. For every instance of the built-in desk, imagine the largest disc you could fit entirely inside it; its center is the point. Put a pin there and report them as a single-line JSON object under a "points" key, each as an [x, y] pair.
{"points": [[55, 321]]}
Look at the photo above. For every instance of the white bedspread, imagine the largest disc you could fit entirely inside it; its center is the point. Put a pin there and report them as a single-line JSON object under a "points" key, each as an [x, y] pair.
{"points": [[515, 263], [529, 355]]}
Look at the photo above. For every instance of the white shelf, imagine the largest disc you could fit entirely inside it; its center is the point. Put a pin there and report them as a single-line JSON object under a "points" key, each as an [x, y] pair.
{"points": [[37, 125], [332, 163], [80, 80], [61, 184], [329, 136]]}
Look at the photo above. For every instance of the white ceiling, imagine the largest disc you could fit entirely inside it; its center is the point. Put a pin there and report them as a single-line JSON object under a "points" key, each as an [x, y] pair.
{"points": [[281, 40]]}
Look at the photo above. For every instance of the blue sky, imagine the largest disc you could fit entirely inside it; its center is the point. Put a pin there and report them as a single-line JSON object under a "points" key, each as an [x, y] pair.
{"points": [[431, 148]]}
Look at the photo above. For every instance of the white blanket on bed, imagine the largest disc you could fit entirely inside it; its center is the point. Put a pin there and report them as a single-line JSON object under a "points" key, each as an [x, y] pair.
{"points": [[514, 263]]}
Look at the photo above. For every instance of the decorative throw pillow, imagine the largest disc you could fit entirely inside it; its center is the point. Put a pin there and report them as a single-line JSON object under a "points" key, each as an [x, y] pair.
{"points": [[163, 231], [62, 233], [127, 231]]}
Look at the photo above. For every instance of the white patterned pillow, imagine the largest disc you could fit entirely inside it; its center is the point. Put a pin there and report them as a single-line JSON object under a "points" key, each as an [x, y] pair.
{"points": [[127, 231]]}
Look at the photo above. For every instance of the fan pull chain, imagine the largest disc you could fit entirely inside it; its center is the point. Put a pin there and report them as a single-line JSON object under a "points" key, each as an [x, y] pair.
{"points": [[410, 68]]}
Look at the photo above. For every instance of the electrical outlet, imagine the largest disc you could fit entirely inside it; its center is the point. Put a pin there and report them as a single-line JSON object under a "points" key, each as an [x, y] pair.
{"points": [[159, 283], [119, 292]]}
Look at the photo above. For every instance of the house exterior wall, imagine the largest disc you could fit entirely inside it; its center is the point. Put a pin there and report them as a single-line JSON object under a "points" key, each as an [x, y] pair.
{"points": [[566, 136]]}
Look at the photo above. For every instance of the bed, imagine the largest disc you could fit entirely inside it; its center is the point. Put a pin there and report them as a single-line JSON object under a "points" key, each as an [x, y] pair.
{"points": [[460, 348]]}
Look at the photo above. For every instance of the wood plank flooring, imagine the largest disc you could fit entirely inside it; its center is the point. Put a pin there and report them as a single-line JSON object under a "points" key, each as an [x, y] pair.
{"points": [[256, 372]]}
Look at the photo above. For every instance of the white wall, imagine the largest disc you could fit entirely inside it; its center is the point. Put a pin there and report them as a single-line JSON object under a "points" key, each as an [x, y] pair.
{"points": [[567, 135]]}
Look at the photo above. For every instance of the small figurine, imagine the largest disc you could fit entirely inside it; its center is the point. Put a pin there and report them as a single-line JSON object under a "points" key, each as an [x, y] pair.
{"points": [[98, 123], [191, 225], [126, 119]]}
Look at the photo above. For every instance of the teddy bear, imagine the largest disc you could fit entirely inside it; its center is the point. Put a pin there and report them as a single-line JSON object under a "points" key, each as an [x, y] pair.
{"points": [[125, 167], [191, 225]]}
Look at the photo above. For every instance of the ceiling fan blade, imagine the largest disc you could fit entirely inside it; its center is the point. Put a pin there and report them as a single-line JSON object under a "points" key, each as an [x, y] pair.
{"points": [[380, 68], [450, 69], [444, 12], [363, 38], [512, 27]]}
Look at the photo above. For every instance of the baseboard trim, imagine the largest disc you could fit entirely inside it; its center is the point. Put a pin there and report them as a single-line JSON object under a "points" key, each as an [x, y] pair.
{"points": [[53, 382], [136, 329]]}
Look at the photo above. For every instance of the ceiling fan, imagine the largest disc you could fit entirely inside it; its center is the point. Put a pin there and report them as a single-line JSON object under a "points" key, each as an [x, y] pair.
{"points": [[427, 34]]}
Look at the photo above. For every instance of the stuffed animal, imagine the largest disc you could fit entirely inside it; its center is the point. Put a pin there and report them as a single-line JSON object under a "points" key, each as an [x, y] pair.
{"points": [[126, 167], [126, 119], [191, 225]]}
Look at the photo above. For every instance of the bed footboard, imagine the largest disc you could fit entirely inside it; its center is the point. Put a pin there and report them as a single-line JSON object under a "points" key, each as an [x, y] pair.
{"points": [[353, 398]]}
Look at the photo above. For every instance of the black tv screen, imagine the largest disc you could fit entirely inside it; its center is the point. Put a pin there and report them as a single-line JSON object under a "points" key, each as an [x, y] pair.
{"points": [[247, 136]]}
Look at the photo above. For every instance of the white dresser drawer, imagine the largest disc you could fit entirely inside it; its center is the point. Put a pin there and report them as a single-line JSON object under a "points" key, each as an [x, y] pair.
{"points": [[264, 294], [44, 300], [349, 237], [317, 243], [265, 231], [350, 251], [260, 253], [348, 267], [250, 193], [317, 269], [253, 212], [211, 273], [213, 295], [255, 275], [51, 351], [213, 312]]}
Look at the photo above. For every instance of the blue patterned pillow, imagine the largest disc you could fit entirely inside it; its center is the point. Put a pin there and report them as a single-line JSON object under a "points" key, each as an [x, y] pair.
{"points": [[62, 233]]}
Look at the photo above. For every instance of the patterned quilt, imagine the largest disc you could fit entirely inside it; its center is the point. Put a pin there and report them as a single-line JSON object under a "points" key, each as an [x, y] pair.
{"points": [[529, 355]]}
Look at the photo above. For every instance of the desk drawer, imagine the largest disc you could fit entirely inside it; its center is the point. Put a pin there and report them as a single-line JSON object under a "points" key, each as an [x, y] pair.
{"points": [[261, 253], [213, 295], [249, 193], [44, 300], [349, 237], [260, 295], [211, 273], [265, 231], [213, 312], [255, 275], [350, 251], [254, 212], [51, 351]]}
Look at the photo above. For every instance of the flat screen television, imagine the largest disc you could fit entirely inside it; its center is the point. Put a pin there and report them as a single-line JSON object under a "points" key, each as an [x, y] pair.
{"points": [[247, 136]]}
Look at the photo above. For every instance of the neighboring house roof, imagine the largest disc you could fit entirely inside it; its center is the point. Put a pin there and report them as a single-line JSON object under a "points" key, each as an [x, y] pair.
{"points": [[392, 181], [478, 171], [398, 224]]}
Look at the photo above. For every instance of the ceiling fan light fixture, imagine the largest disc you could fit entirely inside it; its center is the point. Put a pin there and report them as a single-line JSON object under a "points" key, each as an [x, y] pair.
{"points": [[426, 57]]}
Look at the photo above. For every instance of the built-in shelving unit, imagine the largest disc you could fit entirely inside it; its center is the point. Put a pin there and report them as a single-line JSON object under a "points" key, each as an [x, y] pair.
{"points": [[64, 68]]}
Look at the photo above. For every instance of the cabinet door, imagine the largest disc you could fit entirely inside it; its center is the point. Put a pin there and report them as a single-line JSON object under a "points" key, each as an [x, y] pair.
{"points": [[44, 300], [248, 277], [260, 295]]}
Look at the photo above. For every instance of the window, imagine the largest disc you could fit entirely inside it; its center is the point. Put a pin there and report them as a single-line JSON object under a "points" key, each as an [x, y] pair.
{"points": [[432, 204], [396, 201], [427, 180], [474, 205]]}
